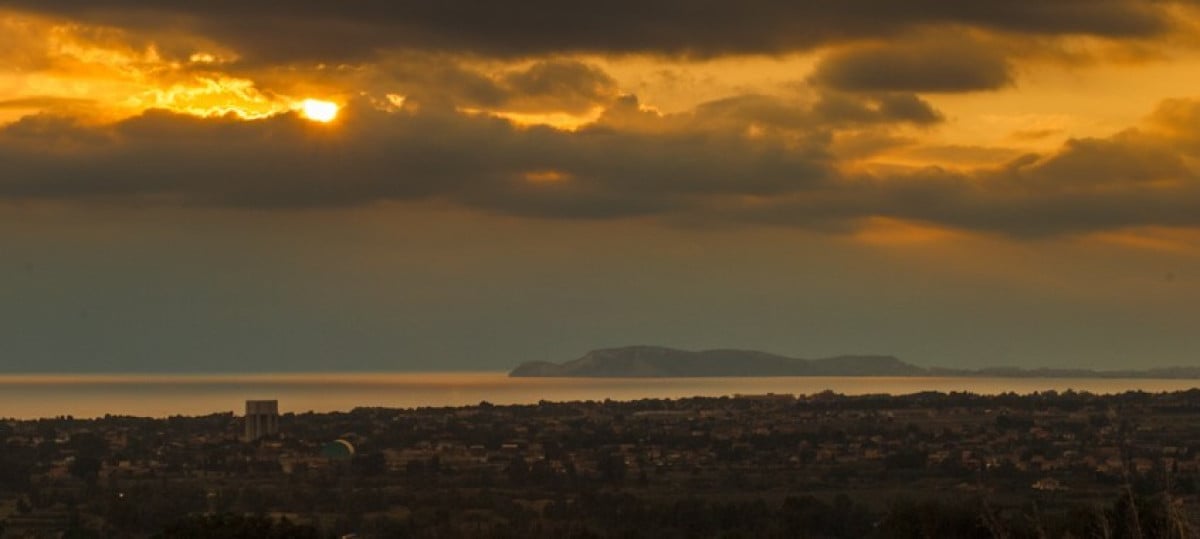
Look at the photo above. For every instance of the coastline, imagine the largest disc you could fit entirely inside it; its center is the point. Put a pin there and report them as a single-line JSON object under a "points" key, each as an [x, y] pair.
{"points": [[160, 395]]}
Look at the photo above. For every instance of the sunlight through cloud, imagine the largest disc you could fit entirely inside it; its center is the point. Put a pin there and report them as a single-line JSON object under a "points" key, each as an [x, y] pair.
{"points": [[318, 110]]}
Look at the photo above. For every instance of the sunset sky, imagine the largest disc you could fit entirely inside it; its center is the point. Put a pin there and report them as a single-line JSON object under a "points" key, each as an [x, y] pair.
{"points": [[463, 185]]}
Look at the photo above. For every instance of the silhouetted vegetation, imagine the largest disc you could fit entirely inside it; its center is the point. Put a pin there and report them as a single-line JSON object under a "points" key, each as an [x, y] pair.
{"points": [[1049, 465], [229, 526]]}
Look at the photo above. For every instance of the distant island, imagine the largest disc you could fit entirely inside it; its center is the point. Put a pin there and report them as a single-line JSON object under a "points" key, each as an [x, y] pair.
{"points": [[663, 362]]}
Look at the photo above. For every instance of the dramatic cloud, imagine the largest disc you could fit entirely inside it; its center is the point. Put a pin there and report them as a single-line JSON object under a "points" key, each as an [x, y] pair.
{"points": [[887, 107], [1133, 179], [943, 65], [703, 166], [285, 161], [320, 30], [557, 85], [467, 104]]}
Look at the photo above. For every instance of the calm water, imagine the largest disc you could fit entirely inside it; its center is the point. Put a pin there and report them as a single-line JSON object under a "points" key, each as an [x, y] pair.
{"points": [[31, 396]]}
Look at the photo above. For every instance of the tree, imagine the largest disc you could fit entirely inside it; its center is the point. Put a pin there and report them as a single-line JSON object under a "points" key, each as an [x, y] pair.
{"points": [[228, 526], [86, 468], [369, 465]]}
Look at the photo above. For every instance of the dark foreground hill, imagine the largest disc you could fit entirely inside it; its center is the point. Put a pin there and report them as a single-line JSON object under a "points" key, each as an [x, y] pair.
{"points": [[662, 362]]}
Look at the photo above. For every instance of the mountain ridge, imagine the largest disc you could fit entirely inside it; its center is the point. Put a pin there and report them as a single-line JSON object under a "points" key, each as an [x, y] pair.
{"points": [[646, 361]]}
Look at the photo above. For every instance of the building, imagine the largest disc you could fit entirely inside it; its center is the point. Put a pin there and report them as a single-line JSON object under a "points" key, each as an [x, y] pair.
{"points": [[262, 419]]}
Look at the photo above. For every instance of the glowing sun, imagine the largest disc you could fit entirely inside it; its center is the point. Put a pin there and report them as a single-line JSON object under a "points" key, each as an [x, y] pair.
{"points": [[319, 111]]}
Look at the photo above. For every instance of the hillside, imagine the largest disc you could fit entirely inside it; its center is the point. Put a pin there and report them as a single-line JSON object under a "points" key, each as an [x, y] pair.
{"points": [[656, 361], [662, 362]]}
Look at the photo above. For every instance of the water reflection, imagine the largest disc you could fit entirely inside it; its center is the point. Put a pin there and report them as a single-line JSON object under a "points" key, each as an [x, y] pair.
{"points": [[30, 396]]}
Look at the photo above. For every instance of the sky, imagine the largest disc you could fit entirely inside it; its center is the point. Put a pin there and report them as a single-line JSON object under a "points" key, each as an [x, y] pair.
{"points": [[398, 185]]}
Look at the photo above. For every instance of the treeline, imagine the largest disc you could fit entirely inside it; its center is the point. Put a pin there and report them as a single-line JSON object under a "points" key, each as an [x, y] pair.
{"points": [[614, 514]]}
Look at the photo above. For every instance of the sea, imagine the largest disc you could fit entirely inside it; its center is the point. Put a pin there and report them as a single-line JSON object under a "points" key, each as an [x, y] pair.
{"points": [[30, 396]]}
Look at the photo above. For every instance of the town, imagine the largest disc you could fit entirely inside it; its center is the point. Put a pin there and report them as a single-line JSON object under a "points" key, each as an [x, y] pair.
{"points": [[1053, 464]]}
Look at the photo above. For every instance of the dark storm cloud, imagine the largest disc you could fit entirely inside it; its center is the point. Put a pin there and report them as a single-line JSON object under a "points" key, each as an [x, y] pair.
{"points": [[748, 159], [1089, 185], [554, 85], [1127, 160], [373, 156], [943, 65], [347, 31], [879, 108], [830, 110], [562, 84]]}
